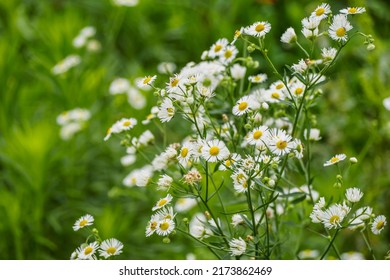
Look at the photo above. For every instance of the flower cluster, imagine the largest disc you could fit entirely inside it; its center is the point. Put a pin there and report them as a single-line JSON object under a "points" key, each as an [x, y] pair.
{"points": [[98, 248], [72, 121]]}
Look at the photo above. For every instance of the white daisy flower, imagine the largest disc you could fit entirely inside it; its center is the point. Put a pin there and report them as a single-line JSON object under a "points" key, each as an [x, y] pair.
{"points": [[328, 54], [321, 11], [165, 227], [259, 78], [237, 246], [258, 29], [166, 110], [184, 204], [335, 159], [311, 23], [82, 222], [334, 216], [87, 251], [198, 227], [353, 10], [240, 181], [297, 89], [146, 82], [378, 224], [310, 34], [218, 47], [185, 153], [237, 71], [165, 213], [300, 67], [237, 219], [164, 182], [152, 225], [215, 150], [110, 247], [386, 103], [230, 162], [353, 195], [313, 134], [257, 135], [352, 256], [279, 142], [135, 98], [289, 36], [66, 64], [229, 53], [244, 105], [163, 202], [339, 28]]}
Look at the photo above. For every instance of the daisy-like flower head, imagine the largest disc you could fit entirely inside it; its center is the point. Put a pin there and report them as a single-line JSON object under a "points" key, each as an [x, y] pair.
{"points": [[66, 64], [185, 154], [310, 34], [335, 159], [353, 10], [279, 142], [237, 71], [174, 83], [192, 177], [353, 194], [166, 110], [257, 135], [184, 204], [333, 216], [84, 221], [164, 182], [228, 54], [215, 150], [321, 11], [146, 82], [311, 23], [313, 135], [289, 36], [237, 246], [352, 256], [165, 227], [230, 162], [237, 219], [110, 247], [328, 54], [339, 28], [152, 225], [237, 34], [87, 251], [300, 67], [259, 78], [297, 89], [163, 202], [218, 47], [240, 181], [165, 213], [378, 224], [244, 105], [258, 29]]}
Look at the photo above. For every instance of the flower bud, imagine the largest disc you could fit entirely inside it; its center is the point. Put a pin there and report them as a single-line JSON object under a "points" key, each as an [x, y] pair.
{"points": [[353, 160], [370, 47]]}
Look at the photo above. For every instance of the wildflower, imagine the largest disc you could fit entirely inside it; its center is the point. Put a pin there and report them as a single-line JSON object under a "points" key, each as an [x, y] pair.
{"points": [[353, 160], [166, 110], [229, 53], [152, 226], [166, 213], [310, 34], [146, 82], [165, 227], [339, 28], [386, 103], [311, 23], [163, 202], [289, 36], [308, 254], [119, 85], [128, 160], [259, 78], [87, 251], [110, 247], [257, 135], [353, 194], [279, 142], [335, 159], [238, 219], [378, 224], [244, 105], [185, 153], [321, 11], [353, 10], [240, 181], [237, 246], [258, 29], [218, 48], [215, 150], [166, 67], [313, 134], [165, 182], [237, 34], [230, 162], [352, 256], [66, 64], [128, 3], [139, 177], [328, 54], [184, 204], [300, 67], [84, 221], [237, 71], [198, 226], [334, 216], [81, 39], [174, 83]]}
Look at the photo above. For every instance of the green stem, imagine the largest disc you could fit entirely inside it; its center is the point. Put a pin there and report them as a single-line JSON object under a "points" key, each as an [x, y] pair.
{"points": [[329, 245], [368, 245]]}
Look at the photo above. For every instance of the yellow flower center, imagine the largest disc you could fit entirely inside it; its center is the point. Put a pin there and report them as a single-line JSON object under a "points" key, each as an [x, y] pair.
{"points": [[279, 86], [334, 219], [228, 53], [257, 78], [162, 202], [147, 80], [260, 27], [334, 159], [320, 11], [298, 91], [275, 95], [170, 111], [88, 250], [380, 225], [243, 105], [340, 32], [164, 226], [281, 144], [126, 123], [153, 225], [214, 151], [228, 163], [83, 223], [174, 82], [184, 152], [217, 48], [257, 134], [111, 250], [240, 177], [237, 33], [352, 10]]}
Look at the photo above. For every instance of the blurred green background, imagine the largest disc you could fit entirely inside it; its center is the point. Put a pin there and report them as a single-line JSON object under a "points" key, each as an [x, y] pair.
{"points": [[47, 183]]}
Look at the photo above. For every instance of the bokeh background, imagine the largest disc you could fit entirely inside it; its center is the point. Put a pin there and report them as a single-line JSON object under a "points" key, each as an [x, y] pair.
{"points": [[46, 182]]}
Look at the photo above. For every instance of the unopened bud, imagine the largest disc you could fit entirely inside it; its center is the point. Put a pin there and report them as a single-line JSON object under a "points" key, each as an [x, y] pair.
{"points": [[370, 47], [353, 160]]}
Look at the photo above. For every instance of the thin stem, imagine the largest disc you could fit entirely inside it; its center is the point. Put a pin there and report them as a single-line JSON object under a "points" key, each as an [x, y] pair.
{"points": [[368, 245], [330, 244]]}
